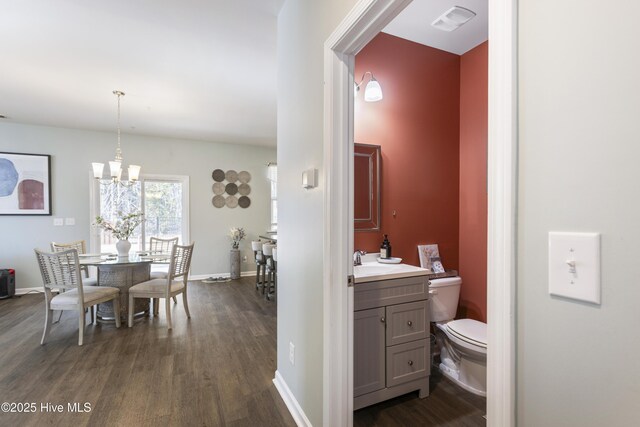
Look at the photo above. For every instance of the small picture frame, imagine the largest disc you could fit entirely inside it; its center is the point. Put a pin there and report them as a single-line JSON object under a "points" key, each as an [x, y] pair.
{"points": [[436, 265], [25, 184], [426, 253]]}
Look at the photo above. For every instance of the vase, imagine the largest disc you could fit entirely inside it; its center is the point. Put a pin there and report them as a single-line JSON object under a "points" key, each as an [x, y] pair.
{"points": [[235, 263], [123, 247]]}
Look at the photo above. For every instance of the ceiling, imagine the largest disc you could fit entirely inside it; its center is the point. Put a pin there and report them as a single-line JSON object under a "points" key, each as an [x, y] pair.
{"points": [[193, 69], [414, 23]]}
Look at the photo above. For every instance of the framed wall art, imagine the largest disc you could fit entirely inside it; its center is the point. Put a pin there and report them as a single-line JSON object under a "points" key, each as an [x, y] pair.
{"points": [[25, 184]]}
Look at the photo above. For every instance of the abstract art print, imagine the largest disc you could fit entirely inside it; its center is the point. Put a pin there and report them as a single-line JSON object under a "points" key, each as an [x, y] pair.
{"points": [[25, 184]]}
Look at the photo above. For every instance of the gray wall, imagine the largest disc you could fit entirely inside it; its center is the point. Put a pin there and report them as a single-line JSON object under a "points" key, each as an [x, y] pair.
{"points": [[303, 26], [73, 151], [579, 92]]}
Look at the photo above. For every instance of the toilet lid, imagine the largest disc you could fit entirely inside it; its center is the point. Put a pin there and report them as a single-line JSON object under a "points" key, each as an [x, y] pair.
{"points": [[469, 330]]}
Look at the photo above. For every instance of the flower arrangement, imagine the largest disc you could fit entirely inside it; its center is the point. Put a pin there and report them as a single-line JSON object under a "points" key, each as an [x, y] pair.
{"points": [[236, 235], [124, 226]]}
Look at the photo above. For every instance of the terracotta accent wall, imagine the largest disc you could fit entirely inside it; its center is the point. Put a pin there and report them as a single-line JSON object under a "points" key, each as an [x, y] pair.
{"points": [[473, 183], [417, 125]]}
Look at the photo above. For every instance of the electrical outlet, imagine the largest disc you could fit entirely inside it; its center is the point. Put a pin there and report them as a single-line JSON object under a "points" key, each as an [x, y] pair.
{"points": [[292, 353], [58, 222], [244, 258], [69, 221]]}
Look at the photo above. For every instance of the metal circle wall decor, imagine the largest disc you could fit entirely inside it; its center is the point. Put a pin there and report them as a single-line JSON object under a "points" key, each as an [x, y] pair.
{"points": [[218, 175], [231, 188], [218, 188], [244, 177], [244, 202], [218, 201]]}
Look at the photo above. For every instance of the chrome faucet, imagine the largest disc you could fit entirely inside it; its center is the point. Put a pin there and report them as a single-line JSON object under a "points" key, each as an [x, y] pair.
{"points": [[357, 257]]}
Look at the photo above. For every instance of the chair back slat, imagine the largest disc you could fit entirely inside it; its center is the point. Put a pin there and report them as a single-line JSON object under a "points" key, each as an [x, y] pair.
{"points": [[60, 270], [78, 245], [180, 261], [158, 245]]}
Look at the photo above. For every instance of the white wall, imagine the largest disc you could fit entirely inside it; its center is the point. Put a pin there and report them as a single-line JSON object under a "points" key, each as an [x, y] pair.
{"points": [[579, 92], [73, 151], [303, 26]]}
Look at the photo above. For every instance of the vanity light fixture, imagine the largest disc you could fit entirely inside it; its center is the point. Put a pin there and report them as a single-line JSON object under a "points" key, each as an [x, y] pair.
{"points": [[115, 166], [373, 91]]}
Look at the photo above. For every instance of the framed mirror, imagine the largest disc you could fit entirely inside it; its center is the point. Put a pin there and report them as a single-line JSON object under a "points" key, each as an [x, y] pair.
{"points": [[366, 183]]}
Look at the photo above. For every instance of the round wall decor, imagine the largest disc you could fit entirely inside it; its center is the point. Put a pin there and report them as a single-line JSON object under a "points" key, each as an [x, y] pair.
{"points": [[244, 202], [231, 175], [244, 177], [218, 175], [244, 189], [231, 188], [218, 201], [232, 202], [218, 188]]}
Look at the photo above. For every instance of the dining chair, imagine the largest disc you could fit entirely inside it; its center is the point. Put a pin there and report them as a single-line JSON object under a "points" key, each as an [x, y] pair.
{"points": [[62, 270], [179, 265], [272, 274], [81, 247], [158, 245], [260, 262], [267, 252]]}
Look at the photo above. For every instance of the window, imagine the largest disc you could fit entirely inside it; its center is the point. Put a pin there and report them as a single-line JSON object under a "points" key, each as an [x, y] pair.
{"points": [[164, 200], [272, 174]]}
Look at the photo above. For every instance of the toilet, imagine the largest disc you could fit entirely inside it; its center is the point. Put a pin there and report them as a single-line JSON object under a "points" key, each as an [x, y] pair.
{"points": [[462, 342]]}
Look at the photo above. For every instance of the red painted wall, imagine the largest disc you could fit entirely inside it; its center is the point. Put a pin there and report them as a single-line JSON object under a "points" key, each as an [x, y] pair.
{"points": [[473, 183], [417, 126], [432, 127]]}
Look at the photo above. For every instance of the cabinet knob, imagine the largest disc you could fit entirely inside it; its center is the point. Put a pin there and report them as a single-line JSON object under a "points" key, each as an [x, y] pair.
{"points": [[409, 323], [382, 319], [410, 362]]}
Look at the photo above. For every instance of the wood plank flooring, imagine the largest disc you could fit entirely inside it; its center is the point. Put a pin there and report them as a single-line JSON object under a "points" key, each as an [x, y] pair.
{"points": [[214, 370]]}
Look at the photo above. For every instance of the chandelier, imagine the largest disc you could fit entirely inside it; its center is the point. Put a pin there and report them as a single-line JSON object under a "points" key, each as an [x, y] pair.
{"points": [[115, 166]]}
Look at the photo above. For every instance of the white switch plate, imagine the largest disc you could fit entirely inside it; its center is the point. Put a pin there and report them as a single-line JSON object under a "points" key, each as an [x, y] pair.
{"points": [[58, 221], [292, 353], [574, 266], [69, 221]]}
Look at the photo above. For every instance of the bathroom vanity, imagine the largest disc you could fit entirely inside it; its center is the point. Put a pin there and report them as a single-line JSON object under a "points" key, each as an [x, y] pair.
{"points": [[391, 332]]}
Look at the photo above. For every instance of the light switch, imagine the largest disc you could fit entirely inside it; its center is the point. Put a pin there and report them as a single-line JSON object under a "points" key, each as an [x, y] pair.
{"points": [[69, 221], [574, 266], [58, 221]]}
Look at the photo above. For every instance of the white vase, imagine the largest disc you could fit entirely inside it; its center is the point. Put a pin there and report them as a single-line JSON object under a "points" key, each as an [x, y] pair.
{"points": [[123, 247]]}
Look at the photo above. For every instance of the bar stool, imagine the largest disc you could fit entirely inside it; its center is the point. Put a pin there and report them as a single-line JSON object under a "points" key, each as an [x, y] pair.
{"points": [[267, 251], [272, 269], [260, 262]]}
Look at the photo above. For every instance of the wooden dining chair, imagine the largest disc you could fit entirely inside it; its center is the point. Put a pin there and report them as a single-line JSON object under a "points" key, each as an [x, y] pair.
{"points": [[170, 286], [61, 271], [158, 245]]}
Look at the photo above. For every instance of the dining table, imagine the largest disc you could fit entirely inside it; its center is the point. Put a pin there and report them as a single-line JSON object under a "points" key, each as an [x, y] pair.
{"points": [[122, 273]]}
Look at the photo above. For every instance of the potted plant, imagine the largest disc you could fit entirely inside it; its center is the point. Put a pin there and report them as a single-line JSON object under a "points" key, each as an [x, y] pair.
{"points": [[236, 235], [122, 229]]}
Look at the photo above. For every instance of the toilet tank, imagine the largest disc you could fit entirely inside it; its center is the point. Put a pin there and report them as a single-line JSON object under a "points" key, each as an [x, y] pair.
{"points": [[443, 298]]}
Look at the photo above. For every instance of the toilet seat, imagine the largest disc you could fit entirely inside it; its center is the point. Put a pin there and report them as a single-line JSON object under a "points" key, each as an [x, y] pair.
{"points": [[469, 330]]}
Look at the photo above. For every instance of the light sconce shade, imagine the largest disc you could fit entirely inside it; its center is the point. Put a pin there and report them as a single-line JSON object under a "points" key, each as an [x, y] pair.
{"points": [[115, 168], [373, 91], [134, 172], [97, 170]]}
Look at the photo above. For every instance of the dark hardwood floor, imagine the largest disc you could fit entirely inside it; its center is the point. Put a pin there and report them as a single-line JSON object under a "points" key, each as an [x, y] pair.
{"points": [[214, 370]]}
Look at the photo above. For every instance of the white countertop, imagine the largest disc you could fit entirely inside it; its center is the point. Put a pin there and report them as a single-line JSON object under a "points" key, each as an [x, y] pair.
{"points": [[371, 271]]}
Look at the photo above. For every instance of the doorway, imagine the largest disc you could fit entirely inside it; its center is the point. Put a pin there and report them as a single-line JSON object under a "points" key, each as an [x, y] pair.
{"points": [[365, 21]]}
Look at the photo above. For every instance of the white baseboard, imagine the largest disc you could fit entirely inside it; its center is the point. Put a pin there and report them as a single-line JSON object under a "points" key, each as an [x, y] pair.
{"points": [[23, 291], [290, 400], [196, 277]]}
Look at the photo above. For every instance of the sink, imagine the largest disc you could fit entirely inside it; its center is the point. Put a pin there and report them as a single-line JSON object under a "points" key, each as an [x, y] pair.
{"points": [[374, 271]]}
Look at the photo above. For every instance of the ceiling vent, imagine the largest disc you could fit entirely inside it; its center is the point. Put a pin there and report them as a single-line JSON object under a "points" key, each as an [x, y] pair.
{"points": [[453, 18]]}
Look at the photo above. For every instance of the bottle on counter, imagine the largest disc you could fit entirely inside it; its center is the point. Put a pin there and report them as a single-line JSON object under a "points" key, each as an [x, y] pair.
{"points": [[385, 248]]}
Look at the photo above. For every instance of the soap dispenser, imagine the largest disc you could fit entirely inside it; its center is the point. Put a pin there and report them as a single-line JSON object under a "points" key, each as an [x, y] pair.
{"points": [[385, 248]]}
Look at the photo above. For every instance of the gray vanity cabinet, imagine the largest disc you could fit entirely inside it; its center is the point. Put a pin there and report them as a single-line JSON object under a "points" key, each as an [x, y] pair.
{"points": [[391, 345]]}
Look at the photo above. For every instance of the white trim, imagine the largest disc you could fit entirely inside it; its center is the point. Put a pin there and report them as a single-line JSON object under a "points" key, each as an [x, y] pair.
{"points": [[366, 19], [196, 277], [24, 291], [501, 242], [290, 400], [363, 23]]}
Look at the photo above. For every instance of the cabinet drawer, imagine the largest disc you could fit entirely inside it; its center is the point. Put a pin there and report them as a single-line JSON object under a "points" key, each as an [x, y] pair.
{"points": [[407, 362], [407, 322], [390, 292]]}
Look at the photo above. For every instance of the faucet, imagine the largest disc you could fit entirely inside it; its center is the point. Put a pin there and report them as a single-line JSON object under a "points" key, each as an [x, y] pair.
{"points": [[357, 257]]}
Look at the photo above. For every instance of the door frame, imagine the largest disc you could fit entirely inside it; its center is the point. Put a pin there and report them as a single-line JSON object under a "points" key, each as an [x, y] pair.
{"points": [[360, 26]]}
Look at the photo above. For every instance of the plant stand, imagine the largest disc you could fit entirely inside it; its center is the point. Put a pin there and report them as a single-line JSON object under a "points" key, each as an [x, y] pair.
{"points": [[235, 263]]}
